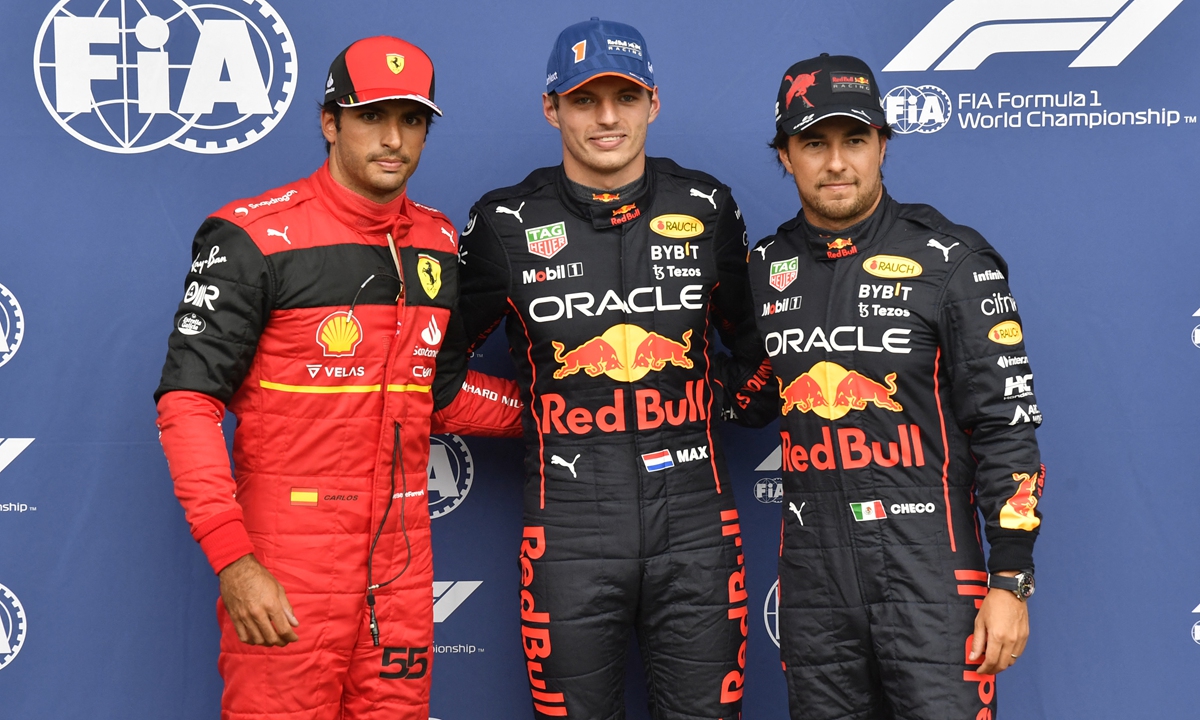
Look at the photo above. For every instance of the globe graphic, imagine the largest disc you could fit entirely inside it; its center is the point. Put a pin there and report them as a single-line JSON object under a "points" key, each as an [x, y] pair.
{"points": [[116, 121]]}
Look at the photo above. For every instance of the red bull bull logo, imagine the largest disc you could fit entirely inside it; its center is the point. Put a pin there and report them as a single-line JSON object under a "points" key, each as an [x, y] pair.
{"points": [[1018, 511], [831, 391], [625, 213], [799, 88], [606, 197], [624, 352], [840, 248]]}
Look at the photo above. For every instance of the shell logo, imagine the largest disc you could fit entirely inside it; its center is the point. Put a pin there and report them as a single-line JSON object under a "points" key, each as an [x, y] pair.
{"points": [[892, 266], [677, 226], [339, 334], [1006, 333]]}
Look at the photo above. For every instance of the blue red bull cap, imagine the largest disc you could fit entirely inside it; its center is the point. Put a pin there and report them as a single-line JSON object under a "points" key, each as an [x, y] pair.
{"points": [[596, 48]]}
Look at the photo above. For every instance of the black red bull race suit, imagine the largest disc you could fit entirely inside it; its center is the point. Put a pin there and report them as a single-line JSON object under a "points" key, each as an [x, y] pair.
{"points": [[629, 516], [908, 410]]}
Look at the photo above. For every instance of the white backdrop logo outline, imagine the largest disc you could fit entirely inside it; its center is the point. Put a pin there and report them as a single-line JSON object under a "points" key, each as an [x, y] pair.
{"points": [[12, 325], [253, 50], [925, 109], [1106, 31], [450, 474], [771, 613], [13, 626]]}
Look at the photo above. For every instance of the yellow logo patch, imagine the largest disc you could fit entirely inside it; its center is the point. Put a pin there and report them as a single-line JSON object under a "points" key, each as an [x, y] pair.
{"points": [[395, 63], [1006, 333], [677, 226], [429, 270], [305, 496], [892, 266]]}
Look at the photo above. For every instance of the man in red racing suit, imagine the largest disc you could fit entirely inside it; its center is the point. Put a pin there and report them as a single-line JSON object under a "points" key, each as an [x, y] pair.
{"points": [[323, 315]]}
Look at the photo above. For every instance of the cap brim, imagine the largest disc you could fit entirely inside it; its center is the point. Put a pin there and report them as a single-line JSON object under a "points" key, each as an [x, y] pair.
{"points": [[369, 96], [581, 80], [869, 117]]}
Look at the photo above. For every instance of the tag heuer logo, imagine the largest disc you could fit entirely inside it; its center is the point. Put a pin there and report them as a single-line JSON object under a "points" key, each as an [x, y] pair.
{"points": [[547, 240], [783, 272]]}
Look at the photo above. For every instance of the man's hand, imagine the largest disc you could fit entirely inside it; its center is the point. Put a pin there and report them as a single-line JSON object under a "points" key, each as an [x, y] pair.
{"points": [[257, 604], [1002, 626]]}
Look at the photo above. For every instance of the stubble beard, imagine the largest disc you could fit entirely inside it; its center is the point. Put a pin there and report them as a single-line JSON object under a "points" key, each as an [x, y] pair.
{"points": [[846, 209]]}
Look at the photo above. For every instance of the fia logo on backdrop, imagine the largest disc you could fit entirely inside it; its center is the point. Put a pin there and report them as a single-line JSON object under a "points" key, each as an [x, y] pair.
{"points": [[12, 325], [451, 472], [131, 76], [12, 626]]}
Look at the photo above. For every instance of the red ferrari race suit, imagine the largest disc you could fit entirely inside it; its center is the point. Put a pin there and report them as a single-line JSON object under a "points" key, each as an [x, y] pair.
{"points": [[908, 411], [337, 355], [613, 309]]}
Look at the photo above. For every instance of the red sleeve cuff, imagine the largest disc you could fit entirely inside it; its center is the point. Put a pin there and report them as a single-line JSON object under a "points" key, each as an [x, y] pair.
{"points": [[225, 543]]}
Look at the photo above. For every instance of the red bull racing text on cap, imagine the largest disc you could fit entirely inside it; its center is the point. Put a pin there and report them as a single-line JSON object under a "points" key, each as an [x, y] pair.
{"points": [[596, 48]]}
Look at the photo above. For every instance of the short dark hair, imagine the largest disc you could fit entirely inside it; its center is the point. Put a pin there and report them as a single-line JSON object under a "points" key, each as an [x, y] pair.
{"points": [[335, 110], [780, 141]]}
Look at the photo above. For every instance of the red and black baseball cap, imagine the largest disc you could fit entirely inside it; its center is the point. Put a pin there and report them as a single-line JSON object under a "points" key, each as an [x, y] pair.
{"points": [[825, 86], [381, 68]]}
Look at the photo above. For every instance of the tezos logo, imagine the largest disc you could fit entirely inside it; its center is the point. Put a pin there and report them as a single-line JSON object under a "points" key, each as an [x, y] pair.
{"points": [[12, 626], [769, 490], [771, 613], [924, 109], [12, 325], [451, 472], [130, 77]]}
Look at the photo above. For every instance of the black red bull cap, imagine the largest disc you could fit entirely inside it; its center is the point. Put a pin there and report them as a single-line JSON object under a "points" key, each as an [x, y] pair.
{"points": [[381, 68], [825, 86]]}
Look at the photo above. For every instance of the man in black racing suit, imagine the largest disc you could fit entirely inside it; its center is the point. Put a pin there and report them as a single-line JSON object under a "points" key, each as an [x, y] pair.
{"points": [[614, 270], [908, 410]]}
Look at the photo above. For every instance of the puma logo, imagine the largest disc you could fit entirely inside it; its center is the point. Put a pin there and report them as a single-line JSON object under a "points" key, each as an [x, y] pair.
{"points": [[793, 508], [556, 460], [945, 250], [711, 197], [448, 234], [272, 232], [762, 249], [515, 213]]}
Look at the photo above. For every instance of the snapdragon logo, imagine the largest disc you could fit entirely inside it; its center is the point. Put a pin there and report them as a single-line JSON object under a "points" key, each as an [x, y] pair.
{"points": [[967, 32], [131, 76]]}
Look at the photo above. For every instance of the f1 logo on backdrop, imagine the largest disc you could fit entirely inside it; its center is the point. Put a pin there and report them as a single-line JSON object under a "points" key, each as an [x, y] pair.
{"points": [[978, 29], [130, 76], [447, 596]]}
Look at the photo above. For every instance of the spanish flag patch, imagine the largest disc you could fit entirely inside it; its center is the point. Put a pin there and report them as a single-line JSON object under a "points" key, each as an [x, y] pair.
{"points": [[304, 496]]}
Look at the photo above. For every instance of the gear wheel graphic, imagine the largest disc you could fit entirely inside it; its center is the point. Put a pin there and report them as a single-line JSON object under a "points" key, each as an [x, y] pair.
{"points": [[12, 325], [464, 474], [12, 626]]}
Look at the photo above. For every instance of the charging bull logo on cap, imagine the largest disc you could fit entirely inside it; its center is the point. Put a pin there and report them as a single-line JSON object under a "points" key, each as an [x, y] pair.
{"points": [[339, 334], [395, 63], [800, 85], [849, 390], [625, 353]]}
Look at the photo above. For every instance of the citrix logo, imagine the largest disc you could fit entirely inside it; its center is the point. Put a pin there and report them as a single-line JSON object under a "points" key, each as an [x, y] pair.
{"points": [[1110, 30]]}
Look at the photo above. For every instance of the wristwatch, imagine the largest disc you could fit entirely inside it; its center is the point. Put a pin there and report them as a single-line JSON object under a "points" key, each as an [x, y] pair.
{"points": [[1022, 585]]}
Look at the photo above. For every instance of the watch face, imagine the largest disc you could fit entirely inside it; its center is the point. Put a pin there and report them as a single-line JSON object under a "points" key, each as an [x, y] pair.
{"points": [[1025, 585]]}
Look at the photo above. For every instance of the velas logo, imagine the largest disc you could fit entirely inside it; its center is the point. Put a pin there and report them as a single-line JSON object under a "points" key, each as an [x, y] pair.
{"points": [[922, 109], [339, 334], [783, 273], [131, 77], [13, 626], [892, 266], [395, 63], [1110, 30], [547, 240], [624, 353], [677, 226], [429, 270], [830, 391], [1006, 333], [869, 510], [451, 474], [1018, 511], [12, 325]]}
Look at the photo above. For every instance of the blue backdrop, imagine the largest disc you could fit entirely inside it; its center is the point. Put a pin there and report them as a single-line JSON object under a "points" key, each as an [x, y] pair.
{"points": [[1063, 130]]}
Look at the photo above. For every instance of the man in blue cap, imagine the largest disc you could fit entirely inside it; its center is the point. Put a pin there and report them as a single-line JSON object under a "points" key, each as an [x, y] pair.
{"points": [[617, 272]]}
